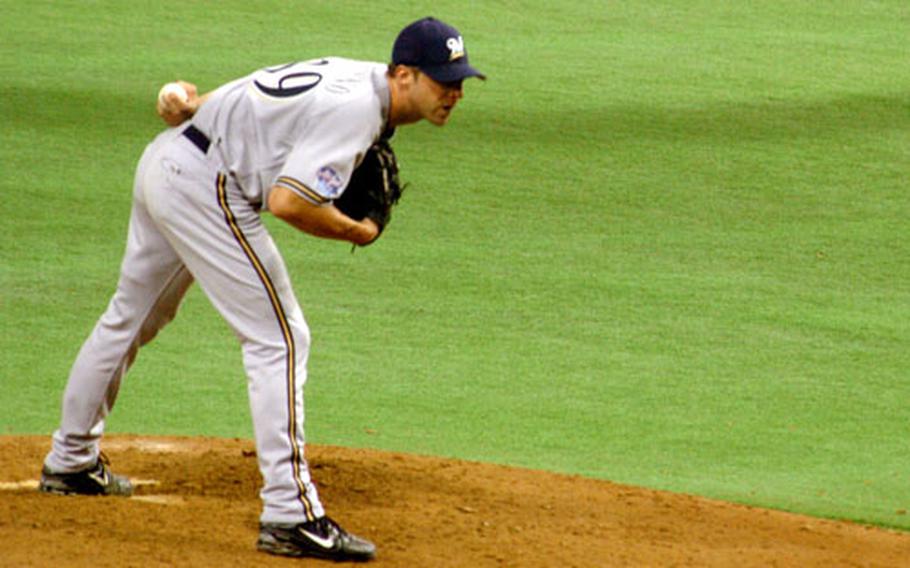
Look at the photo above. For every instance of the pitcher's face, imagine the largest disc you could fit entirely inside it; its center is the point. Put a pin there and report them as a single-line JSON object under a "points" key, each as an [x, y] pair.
{"points": [[434, 100]]}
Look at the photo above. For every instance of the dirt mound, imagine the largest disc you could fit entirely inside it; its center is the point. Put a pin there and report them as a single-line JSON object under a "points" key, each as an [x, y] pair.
{"points": [[197, 505]]}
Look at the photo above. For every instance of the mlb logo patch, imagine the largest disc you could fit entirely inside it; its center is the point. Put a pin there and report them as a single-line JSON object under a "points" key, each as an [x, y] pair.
{"points": [[328, 182]]}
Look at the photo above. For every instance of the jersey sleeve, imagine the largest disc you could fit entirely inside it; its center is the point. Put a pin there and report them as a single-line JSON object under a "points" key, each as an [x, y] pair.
{"points": [[320, 164]]}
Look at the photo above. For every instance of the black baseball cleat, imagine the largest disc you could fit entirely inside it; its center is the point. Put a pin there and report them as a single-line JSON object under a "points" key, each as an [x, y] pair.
{"points": [[322, 538], [94, 480]]}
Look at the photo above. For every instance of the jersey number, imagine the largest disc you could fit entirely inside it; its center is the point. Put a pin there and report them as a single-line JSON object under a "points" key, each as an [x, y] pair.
{"points": [[288, 80]]}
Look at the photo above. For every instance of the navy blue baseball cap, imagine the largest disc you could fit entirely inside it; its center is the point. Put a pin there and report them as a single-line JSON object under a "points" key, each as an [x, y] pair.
{"points": [[435, 48]]}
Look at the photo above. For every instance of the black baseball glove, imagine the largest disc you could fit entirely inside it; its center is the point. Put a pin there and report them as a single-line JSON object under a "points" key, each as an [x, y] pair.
{"points": [[374, 187]]}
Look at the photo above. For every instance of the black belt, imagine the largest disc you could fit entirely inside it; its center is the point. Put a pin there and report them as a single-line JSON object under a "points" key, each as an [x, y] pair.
{"points": [[199, 139]]}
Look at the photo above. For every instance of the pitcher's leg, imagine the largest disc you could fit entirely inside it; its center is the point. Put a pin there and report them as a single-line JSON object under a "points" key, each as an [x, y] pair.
{"points": [[277, 373], [134, 316], [223, 242], [152, 283]]}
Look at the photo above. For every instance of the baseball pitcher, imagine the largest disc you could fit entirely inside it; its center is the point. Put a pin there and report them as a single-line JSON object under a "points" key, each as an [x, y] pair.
{"points": [[308, 142]]}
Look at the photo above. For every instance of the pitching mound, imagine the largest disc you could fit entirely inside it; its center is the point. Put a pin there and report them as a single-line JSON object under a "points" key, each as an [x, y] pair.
{"points": [[197, 505]]}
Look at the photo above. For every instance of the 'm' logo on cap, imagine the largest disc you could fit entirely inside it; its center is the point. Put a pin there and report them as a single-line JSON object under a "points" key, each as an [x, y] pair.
{"points": [[456, 48]]}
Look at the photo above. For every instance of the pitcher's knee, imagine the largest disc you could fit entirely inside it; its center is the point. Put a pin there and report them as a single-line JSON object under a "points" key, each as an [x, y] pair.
{"points": [[265, 353], [301, 334]]}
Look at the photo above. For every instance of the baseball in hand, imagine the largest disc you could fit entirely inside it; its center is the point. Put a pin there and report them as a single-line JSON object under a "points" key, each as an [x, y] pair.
{"points": [[172, 89]]}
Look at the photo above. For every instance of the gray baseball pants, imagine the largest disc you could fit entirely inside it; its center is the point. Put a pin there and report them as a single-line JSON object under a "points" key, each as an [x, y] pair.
{"points": [[190, 221]]}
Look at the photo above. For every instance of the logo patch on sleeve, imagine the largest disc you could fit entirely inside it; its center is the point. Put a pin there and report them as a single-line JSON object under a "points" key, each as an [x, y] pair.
{"points": [[328, 182]]}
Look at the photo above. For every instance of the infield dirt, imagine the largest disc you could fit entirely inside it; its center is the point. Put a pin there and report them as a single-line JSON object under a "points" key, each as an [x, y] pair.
{"points": [[197, 504]]}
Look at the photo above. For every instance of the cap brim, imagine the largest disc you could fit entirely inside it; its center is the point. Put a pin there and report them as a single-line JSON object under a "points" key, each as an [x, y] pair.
{"points": [[450, 72]]}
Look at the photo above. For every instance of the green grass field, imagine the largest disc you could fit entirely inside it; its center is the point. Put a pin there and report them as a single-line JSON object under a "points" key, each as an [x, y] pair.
{"points": [[664, 243]]}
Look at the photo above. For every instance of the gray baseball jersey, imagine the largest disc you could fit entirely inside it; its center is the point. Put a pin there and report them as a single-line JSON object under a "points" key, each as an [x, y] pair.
{"points": [[198, 192], [302, 125]]}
